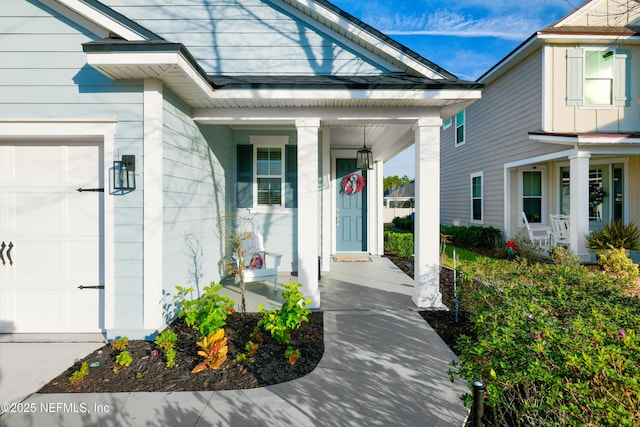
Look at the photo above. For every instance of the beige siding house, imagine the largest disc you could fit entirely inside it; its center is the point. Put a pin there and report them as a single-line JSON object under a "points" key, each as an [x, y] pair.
{"points": [[557, 130]]}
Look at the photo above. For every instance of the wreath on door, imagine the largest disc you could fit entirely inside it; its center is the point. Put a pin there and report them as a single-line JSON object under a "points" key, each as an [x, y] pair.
{"points": [[352, 184]]}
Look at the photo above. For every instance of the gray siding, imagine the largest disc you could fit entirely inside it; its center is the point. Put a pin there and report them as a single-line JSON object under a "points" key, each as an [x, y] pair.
{"points": [[497, 128], [44, 75], [245, 37], [194, 197]]}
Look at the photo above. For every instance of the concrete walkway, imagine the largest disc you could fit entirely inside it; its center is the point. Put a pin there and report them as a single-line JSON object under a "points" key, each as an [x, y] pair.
{"points": [[383, 366]]}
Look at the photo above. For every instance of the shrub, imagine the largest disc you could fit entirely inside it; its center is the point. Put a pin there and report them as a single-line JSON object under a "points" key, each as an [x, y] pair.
{"points": [[401, 244], [556, 345], [167, 340], [280, 322], [404, 223], [208, 313], [617, 235], [618, 265], [214, 351], [474, 236], [79, 374]]}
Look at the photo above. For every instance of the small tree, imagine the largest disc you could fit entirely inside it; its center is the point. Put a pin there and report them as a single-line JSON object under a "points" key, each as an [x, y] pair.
{"points": [[237, 229]]}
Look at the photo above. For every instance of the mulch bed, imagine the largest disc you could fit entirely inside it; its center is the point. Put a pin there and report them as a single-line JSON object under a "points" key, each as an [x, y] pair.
{"points": [[147, 372], [268, 366]]}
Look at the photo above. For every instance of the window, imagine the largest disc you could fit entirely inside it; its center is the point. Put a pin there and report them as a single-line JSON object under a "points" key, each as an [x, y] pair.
{"points": [[532, 195], [460, 133], [269, 172], [598, 76], [447, 124], [476, 197]]}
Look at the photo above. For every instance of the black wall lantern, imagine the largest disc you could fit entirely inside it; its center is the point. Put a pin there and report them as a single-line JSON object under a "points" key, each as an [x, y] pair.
{"points": [[364, 160], [124, 173]]}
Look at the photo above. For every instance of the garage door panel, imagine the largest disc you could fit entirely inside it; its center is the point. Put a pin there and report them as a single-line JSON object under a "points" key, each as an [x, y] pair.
{"points": [[56, 233]]}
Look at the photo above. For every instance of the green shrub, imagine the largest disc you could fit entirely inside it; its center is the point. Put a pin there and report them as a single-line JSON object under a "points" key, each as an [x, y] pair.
{"points": [[401, 244], [555, 345], [280, 322], [618, 265], [208, 313], [617, 235], [404, 223], [473, 236]]}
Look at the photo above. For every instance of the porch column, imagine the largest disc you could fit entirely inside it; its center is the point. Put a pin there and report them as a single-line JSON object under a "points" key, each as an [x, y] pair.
{"points": [[426, 291], [308, 208], [579, 203]]}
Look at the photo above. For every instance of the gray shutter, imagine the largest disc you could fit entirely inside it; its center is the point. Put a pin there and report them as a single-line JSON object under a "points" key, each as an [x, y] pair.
{"points": [[621, 76], [244, 170], [575, 76], [291, 176]]}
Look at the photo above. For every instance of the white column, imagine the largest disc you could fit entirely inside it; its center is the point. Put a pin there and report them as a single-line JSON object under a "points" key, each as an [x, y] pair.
{"points": [[426, 293], [308, 209], [579, 203], [379, 209], [152, 181], [327, 202]]}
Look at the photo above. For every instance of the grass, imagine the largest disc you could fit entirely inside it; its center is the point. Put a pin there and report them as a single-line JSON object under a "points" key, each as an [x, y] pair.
{"points": [[463, 256]]}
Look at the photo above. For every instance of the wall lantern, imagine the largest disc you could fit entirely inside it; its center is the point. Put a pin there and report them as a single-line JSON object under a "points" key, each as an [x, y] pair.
{"points": [[124, 176], [364, 160]]}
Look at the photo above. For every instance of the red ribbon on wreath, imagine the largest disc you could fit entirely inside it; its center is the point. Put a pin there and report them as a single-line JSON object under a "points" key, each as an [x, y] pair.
{"points": [[352, 184]]}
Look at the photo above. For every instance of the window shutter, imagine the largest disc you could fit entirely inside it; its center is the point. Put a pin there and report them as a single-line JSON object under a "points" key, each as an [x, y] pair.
{"points": [[575, 77], [291, 176], [621, 89], [244, 170]]}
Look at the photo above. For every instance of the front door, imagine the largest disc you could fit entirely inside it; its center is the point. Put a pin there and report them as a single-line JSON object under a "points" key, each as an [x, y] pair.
{"points": [[51, 237], [351, 218]]}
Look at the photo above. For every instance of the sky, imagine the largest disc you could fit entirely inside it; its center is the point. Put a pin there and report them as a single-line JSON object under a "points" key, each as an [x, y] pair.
{"points": [[465, 37]]}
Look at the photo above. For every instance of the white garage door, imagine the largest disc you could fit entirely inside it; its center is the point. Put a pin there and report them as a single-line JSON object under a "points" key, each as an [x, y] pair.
{"points": [[51, 237]]}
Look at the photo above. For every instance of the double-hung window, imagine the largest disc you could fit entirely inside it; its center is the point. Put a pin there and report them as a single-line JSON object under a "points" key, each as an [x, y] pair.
{"points": [[597, 76], [460, 128], [532, 195], [476, 197], [269, 176]]}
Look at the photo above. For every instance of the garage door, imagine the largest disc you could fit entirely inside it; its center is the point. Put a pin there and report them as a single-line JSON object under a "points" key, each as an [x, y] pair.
{"points": [[51, 237]]}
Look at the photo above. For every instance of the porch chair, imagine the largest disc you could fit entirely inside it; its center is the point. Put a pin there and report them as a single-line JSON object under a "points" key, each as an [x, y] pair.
{"points": [[257, 269], [560, 230], [538, 234]]}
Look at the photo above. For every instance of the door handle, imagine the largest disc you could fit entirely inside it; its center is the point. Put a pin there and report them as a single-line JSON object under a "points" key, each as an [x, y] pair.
{"points": [[2, 246], [9, 253]]}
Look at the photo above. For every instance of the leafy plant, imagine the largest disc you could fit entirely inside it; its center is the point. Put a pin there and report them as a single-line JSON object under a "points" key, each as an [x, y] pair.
{"points": [[292, 355], [124, 358], [280, 322], [79, 374], [214, 351], [615, 234], [401, 244], [555, 344], [251, 348], [167, 340], [120, 344], [618, 265], [208, 313]]}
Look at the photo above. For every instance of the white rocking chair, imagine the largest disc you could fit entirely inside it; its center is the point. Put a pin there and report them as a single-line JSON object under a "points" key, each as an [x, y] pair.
{"points": [[560, 227], [257, 269], [539, 234]]}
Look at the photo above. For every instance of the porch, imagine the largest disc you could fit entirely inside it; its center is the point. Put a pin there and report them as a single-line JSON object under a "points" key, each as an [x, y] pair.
{"points": [[591, 184]]}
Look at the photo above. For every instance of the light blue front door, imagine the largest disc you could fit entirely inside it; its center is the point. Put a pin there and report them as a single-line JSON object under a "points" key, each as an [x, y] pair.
{"points": [[351, 218]]}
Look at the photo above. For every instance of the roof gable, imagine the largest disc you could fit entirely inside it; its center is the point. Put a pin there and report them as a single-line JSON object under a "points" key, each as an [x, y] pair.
{"points": [[602, 13]]}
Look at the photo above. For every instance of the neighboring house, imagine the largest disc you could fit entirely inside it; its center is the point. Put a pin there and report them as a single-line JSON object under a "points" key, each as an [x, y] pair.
{"points": [[399, 201], [253, 108], [557, 130]]}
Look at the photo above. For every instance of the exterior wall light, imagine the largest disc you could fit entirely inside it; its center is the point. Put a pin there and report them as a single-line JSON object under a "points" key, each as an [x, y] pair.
{"points": [[364, 159], [124, 176]]}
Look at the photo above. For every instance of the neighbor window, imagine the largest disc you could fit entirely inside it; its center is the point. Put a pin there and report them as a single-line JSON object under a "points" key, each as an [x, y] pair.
{"points": [[460, 132], [476, 197], [269, 176], [532, 195], [447, 124], [597, 77]]}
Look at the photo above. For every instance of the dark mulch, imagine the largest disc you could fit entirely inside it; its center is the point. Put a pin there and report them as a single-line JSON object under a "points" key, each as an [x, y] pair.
{"points": [[268, 366], [147, 372]]}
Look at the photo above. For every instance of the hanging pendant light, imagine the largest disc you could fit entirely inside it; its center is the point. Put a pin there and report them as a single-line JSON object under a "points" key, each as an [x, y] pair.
{"points": [[364, 160]]}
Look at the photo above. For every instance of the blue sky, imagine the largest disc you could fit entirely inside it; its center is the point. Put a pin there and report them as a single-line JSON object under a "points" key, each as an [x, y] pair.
{"points": [[465, 37]]}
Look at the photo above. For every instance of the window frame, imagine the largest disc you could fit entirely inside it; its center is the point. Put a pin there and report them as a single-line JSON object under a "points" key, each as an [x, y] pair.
{"points": [[612, 80], [473, 176], [543, 196], [447, 123], [270, 142], [461, 125]]}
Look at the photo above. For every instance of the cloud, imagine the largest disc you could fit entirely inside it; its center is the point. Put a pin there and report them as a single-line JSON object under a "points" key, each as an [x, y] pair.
{"points": [[444, 22]]}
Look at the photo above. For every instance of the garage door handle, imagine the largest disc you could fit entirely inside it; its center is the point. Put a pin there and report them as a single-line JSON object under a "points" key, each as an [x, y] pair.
{"points": [[9, 253], [2, 246], [90, 287]]}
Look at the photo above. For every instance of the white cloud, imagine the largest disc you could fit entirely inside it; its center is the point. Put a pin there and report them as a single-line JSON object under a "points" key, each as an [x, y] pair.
{"points": [[449, 23]]}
